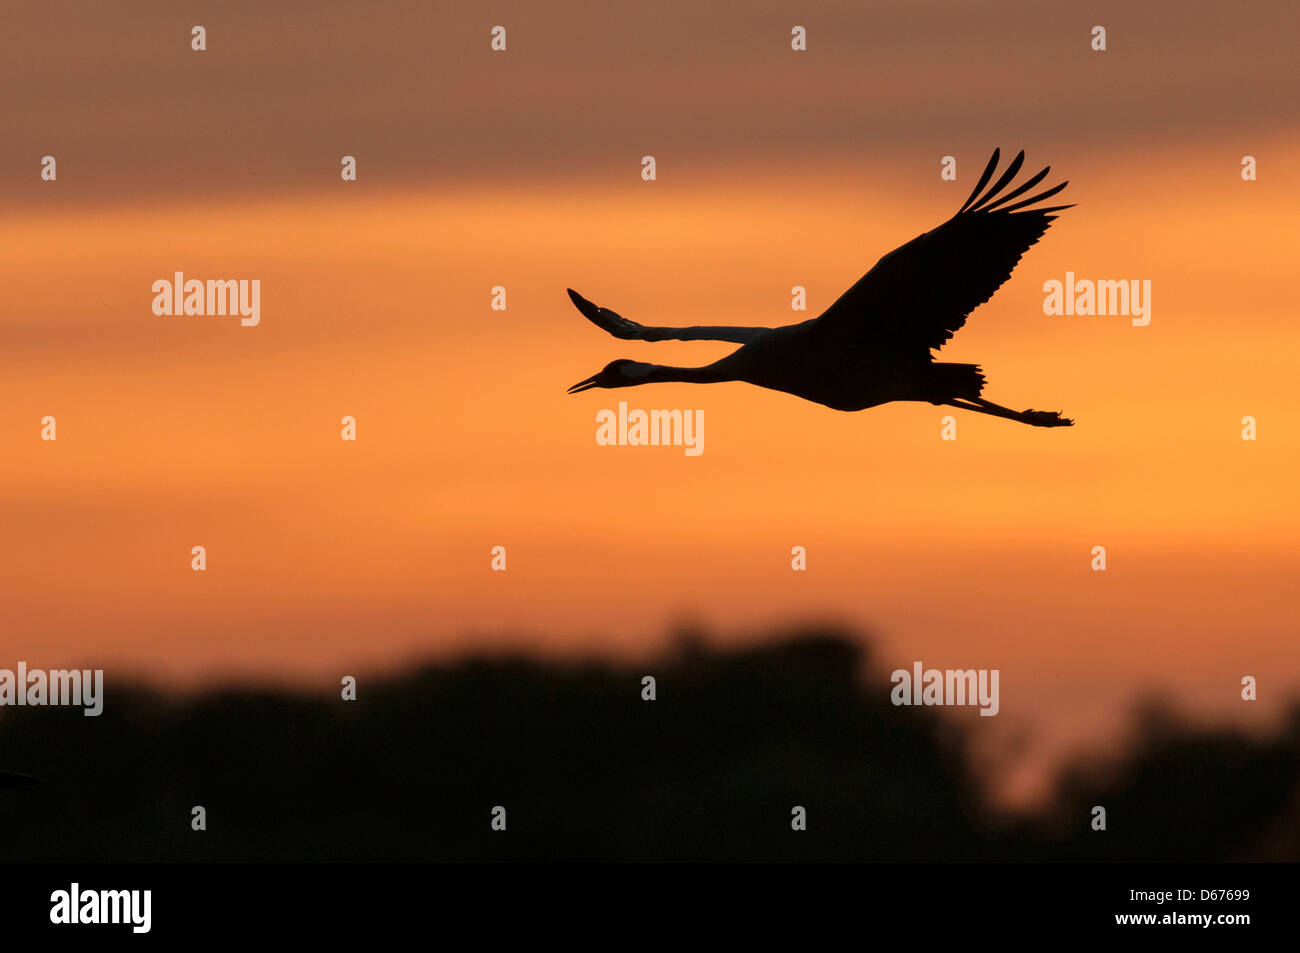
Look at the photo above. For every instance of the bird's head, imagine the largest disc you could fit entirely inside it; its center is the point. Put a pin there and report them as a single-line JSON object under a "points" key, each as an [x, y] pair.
{"points": [[620, 373]]}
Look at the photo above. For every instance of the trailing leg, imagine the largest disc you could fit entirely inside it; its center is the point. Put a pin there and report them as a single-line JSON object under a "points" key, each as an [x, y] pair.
{"points": [[1035, 418]]}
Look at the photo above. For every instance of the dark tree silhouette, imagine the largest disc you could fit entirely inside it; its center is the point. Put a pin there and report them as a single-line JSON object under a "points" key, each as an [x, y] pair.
{"points": [[586, 769]]}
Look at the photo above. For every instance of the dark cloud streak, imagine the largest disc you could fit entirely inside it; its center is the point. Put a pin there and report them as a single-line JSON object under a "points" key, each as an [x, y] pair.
{"points": [[413, 90]]}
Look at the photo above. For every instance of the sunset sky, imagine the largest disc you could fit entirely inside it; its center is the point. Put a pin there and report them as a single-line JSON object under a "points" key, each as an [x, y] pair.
{"points": [[522, 169]]}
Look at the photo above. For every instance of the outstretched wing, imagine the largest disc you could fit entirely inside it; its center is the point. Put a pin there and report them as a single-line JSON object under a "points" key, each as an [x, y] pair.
{"points": [[918, 296]]}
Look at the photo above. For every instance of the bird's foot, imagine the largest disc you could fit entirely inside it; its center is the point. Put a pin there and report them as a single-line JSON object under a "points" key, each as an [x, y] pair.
{"points": [[608, 320], [1046, 418]]}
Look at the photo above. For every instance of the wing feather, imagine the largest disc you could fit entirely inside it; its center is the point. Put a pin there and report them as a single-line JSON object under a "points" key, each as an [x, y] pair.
{"points": [[920, 294], [1021, 189], [988, 174], [1001, 183]]}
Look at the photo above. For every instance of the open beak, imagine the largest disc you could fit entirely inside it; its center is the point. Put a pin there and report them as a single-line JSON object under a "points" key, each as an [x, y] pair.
{"points": [[582, 385]]}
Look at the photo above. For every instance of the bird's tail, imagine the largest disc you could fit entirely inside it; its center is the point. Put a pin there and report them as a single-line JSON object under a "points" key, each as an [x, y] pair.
{"points": [[958, 380]]}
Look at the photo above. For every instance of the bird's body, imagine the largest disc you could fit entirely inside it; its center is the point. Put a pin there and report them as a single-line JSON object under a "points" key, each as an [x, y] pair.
{"points": [[840, 371], [872, 346]]}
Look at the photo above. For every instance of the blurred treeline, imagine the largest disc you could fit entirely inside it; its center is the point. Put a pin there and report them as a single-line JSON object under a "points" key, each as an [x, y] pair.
{"points": [[588, 770]]}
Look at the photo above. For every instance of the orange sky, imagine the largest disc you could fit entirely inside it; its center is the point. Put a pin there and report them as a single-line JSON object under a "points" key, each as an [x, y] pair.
{"points": [[328, 557]]}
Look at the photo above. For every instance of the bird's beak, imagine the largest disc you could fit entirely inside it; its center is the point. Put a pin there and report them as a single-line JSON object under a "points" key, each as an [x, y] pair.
{"points": [[582, 385]]}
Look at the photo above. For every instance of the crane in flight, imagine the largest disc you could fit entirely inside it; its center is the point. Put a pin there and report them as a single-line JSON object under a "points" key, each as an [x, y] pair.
{"points": [[873, 345]]}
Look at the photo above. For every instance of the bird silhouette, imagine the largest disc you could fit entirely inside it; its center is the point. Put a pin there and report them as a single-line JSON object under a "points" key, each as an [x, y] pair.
{"points": [[873, 345]]}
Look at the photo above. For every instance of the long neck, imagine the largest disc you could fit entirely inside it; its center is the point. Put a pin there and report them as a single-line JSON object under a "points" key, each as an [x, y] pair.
{"points": [[709, 374]]}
